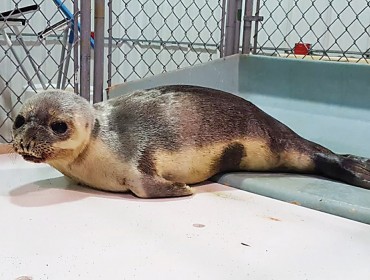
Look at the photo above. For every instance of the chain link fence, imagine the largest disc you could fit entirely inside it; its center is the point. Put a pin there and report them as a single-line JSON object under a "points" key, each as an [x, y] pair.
{"points": [[155, 36], [142, 37], [36, 46], [314, 29]]}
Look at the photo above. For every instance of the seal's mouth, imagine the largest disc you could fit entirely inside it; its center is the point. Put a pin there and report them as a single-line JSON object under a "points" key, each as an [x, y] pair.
{"points": [[32, 158]]}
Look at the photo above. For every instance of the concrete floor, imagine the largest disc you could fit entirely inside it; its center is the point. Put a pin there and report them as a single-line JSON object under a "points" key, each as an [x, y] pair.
{"points": [[52, 229]]}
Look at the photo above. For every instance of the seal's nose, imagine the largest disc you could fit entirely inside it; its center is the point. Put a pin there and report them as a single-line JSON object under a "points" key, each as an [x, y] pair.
{"points": [[21, 144], [29, 143], [18, 144], [32, 119], [24, 144]]}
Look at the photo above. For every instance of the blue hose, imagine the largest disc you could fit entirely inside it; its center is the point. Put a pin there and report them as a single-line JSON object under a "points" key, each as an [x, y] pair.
{"points": [[70, 16]]}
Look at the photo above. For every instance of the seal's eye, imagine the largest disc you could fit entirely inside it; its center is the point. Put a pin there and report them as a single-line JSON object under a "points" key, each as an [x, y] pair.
{"points": [[59, 127], [19, 121]]}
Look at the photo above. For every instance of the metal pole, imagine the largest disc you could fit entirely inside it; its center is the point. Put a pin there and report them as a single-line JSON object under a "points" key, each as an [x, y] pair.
{"points": [[258, 5], [222, 51], [85, 48], [230, 27], [99, 50], [62, 56], [28, 55], [66, 67], [20, 63], [247, 26], [110, 42], [75, 47], [238, 23]]}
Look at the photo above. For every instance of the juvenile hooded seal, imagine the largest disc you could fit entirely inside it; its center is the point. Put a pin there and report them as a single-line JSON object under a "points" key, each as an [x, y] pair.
{"points": [[156, 142]]}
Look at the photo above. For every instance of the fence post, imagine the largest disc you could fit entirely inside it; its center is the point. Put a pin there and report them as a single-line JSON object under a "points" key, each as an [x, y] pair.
{"points": [[230, 27], [76, 69], [247, 30], [255, 39], [223, 11], [238, 23], [110, 42], [99, 50], [85, 48]]}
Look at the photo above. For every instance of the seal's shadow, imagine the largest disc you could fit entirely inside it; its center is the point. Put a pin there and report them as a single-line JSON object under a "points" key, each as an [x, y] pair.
{"points": [[55, 191], [62, 190]]}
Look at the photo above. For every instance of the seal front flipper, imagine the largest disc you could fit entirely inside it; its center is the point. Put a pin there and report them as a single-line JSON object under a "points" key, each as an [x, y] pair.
{"points": [[346, 168], [157, 187]]}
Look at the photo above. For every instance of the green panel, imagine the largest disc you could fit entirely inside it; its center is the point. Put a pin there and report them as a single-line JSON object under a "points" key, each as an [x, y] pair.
{"points": [[308, 191], [334, 83]]}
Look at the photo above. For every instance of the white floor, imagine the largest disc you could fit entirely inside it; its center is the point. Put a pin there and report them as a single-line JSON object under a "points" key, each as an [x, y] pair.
{"points": [[52, 229]]}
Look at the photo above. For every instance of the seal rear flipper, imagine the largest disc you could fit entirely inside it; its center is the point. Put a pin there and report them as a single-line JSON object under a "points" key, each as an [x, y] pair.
{"points": [[157, 187], [346, 168], [362, 160]]}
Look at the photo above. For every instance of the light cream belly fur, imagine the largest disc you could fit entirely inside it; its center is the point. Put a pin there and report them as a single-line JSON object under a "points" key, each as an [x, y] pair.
{"points": [[100, 169], [192, 165]]}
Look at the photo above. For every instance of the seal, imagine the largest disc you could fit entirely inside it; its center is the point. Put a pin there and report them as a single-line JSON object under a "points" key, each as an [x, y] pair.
{"points": [[157, 142]]}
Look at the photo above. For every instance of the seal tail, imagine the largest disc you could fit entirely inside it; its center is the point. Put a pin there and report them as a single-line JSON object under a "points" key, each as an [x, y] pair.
{"points": [[349, 169]]}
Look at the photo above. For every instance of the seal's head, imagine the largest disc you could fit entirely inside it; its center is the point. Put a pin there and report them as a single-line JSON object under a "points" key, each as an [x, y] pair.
{"points": [[52, 125]]}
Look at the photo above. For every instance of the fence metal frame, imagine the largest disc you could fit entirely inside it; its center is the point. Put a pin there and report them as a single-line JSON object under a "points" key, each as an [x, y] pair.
{"points": [[85, 49], [76, 14], [99, 50]]}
